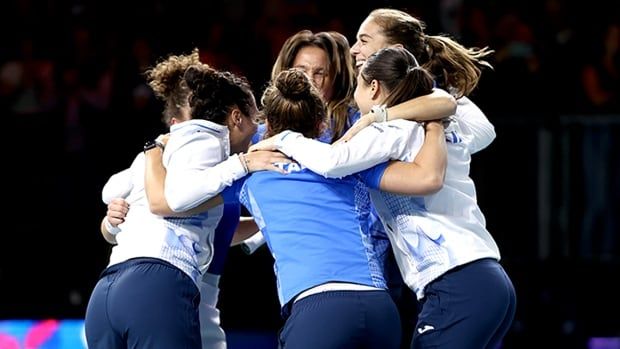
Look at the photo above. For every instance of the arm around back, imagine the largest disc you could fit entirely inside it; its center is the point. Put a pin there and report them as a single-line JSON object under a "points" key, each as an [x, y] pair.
{"points": [[426, 174], [373, 145]]}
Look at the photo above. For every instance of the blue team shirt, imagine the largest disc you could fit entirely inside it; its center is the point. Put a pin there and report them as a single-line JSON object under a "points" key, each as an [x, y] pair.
{"points": [[313, 227], [223, 236]]}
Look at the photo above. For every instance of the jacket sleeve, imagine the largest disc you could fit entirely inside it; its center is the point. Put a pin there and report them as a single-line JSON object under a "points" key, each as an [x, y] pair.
{"points": [[197, 170], [373, 145], [120, 184], [474, 124]]}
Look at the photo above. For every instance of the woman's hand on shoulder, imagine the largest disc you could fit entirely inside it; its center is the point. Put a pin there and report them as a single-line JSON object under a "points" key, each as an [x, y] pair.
{"points": [[265, 160]]}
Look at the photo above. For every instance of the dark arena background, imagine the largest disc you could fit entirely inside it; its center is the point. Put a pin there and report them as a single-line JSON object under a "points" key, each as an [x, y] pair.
{"points": [[77, 109]]}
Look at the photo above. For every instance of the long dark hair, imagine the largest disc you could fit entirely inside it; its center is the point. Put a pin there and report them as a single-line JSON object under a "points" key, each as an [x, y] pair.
{"points": [[456, 68], [214, 93], [399, 73], [341, 71]]}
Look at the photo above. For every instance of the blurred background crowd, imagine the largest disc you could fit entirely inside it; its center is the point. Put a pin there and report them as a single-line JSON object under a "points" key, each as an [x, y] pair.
{"points": [[77, 109]]}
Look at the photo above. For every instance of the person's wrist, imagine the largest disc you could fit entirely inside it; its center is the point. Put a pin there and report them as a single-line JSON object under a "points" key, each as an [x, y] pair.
{"points": [[156, 143], [159, 141], [112, 230], [433, 124], [148, 145], [379, 112], [244, 162]]}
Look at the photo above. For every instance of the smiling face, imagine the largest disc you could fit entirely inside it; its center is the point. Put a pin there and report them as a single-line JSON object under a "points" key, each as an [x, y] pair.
{"points": [[369, 40], [314, 62]]}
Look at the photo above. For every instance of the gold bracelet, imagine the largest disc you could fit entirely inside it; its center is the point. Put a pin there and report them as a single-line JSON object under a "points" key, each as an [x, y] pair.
{"points": [[244, 162]]}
